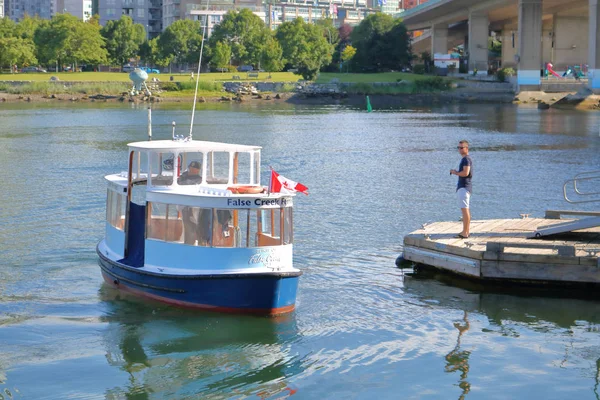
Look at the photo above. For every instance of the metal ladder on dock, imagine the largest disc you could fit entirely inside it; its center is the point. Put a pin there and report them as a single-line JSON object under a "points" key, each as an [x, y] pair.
{"points": [[592, 219]]}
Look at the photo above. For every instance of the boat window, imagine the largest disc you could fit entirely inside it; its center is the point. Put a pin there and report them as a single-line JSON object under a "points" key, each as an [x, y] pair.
{"points": [[218, 167], [115, 209], [269, 227], [164, 223], [139, 166], [288, 225], [161, 169], [242, 168], [223, 232], [209, 227], [191, 168]]}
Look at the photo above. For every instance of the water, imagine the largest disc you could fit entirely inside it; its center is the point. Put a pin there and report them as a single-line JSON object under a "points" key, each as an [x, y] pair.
{"points": [[362, 329]]}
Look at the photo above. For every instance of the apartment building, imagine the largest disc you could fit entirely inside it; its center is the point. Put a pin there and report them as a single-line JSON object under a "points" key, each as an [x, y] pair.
{"points": [[17, 9], [145, 12]]}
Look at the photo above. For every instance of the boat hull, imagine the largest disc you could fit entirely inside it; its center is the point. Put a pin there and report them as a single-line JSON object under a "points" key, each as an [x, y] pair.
{"points": [[254, 293]]}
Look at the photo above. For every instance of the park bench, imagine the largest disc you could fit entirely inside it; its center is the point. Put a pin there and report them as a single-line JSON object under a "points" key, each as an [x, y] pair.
{"points": [[252, 74], [236, 77]]}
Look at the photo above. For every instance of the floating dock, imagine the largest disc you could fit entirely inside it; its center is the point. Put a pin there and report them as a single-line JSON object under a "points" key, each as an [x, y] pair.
{"points": [[527, 250]]}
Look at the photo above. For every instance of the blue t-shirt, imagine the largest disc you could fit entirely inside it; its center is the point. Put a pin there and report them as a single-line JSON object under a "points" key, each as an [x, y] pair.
{"points": [[465, 181]]}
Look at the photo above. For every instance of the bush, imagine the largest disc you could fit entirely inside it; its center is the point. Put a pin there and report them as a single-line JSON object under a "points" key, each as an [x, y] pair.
{"points": [[431, 84], [169, 86], [419, 69], [202, 85], [504, 73]]}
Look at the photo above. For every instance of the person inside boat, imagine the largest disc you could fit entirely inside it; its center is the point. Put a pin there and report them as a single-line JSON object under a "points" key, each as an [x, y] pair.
{"points": [[192, 176]]}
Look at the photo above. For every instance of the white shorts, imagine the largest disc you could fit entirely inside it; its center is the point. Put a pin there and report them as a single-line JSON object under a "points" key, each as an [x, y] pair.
{"points": [[464, 198]]}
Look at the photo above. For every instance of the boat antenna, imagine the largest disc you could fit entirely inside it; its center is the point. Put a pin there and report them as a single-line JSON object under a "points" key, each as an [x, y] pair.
{"points": [[198, 72]]}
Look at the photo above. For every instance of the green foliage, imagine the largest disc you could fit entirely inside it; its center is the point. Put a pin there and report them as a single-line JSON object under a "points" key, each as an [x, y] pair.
{"points": [[202, 86], [364, 88], [123, 39], [382, 44], [181, 41], [504, 73], [16, 50], [50, 88], [66, 39], [348, 53], [419, 69], [287, 88], [246, 34], [330, 32], [304, 47], [432, 84], [169, 86], [7, 27], [221, 55], [272, 55]]}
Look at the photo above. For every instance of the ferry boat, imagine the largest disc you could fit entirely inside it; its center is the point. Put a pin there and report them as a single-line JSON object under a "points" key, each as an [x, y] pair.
{"points": [[189, 224]]}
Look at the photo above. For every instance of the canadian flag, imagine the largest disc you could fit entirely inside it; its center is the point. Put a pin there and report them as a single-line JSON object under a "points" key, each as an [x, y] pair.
{"points": [[281, 184]]}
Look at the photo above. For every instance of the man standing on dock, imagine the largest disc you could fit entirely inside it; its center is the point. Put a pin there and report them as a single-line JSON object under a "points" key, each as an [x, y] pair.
{"points": [[464, 189]]}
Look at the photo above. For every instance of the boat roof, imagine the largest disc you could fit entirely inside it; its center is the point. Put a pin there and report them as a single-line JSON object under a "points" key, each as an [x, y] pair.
{"points": [[190, 146]]}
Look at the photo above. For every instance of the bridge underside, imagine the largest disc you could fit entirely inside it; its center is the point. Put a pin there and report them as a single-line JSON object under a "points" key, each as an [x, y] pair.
{"points": [[533, 33]]}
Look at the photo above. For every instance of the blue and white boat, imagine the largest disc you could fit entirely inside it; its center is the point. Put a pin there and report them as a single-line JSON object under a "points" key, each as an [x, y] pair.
{"points": [[189, 224]]}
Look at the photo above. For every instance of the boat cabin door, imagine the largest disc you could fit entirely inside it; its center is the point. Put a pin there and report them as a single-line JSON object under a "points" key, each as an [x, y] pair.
{"points": [[135, 216]]}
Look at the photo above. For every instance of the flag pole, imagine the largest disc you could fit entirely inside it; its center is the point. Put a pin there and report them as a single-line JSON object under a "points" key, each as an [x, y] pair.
{"points": [[270, 181]]}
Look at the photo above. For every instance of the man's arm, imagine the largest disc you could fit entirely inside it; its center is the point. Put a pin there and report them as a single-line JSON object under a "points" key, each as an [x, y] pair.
{"points": [[465, 171]]}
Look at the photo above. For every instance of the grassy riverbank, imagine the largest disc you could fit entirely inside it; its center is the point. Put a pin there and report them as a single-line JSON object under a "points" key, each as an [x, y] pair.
{"points": [[166, 77]]}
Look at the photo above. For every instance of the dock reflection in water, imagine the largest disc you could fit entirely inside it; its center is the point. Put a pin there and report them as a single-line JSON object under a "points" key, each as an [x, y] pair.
{"points": [[172, 352], [507, 310]]}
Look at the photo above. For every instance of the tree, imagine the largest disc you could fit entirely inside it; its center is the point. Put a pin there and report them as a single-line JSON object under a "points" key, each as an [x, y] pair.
{"points": [[181, 41], [67, 39], [371, 38], [221, 57], [330, 32], [7, 27], [348, 53], [344, 33], [15, 50], [27, 26], [123, 39], [272, 56], [88, 44], [150, 53], [246, 34], [304, 47]]}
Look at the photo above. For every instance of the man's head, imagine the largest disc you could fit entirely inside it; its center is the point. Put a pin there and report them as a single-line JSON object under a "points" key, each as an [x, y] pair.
{"points": [[463, 147], [194, 167]]}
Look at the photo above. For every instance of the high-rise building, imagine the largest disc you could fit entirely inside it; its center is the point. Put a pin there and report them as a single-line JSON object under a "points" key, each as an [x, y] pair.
{"points": [[42, 8], [408, 4], [145, 12], [1, 8], [45, 9], [80, 8]]}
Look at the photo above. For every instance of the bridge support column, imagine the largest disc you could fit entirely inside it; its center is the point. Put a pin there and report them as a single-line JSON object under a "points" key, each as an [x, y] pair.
{"points": [[479, 31], [594, 47], [439, 39], [530, 45]]}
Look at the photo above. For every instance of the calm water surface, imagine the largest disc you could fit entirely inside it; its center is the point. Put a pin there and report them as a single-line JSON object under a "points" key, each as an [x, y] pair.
{"points": [[363, 329]]}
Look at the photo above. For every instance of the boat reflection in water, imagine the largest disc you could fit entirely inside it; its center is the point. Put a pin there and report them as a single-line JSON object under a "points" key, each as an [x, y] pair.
{"points": [[177, 353], [510, 313]]}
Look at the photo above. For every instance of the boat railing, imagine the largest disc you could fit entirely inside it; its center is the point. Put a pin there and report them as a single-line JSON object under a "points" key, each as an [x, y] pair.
{"points": [[578, 181]]}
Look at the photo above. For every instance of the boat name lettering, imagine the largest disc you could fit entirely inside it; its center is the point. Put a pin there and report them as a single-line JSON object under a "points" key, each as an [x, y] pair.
{"points": [[264, 258], [257, 202]]}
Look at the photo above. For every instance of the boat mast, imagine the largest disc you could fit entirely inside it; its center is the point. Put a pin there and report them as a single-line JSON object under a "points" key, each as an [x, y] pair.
{"points": [[198, 72]]}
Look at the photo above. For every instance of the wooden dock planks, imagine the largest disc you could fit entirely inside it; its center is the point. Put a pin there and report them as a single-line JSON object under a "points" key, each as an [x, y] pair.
{"points": [[516, 258]]}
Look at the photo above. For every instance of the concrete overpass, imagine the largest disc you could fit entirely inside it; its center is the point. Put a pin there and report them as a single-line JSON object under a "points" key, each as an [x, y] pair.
{"points": [[533, 32]]}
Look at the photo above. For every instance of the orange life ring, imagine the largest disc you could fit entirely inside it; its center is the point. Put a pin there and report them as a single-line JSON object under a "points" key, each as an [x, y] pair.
{"points": [[246, 189]]}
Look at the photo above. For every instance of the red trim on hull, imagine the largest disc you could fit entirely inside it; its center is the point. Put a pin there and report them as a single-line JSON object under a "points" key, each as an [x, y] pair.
{"points": [[206, 307]]}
